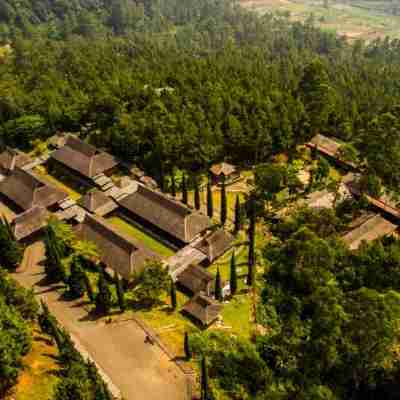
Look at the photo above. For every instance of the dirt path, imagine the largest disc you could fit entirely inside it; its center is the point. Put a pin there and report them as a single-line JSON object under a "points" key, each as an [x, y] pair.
{"points": [[141, 371]]}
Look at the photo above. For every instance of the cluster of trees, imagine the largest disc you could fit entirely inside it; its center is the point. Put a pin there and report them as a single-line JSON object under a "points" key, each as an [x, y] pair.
{"points": [[11, 252], [79, 378], [330, 320], [17, 311], [232, 85]]}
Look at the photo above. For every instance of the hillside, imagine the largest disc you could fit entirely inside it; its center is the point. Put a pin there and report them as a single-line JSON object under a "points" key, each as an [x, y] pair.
{"points": [[356, 19]]}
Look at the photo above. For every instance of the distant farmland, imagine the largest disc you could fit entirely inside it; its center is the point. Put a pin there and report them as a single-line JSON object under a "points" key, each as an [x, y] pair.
{"points": [[365, 19]]}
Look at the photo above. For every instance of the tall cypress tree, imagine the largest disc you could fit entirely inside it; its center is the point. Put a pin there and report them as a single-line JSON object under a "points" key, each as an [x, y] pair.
{"points": [[186, 345], [223, 202], [120, 292], [218, 286], [103, 298], [173, 183], [184, 190], [88, 287], [233, 275], [238, 215], [210, 205], [196, 194], [174, 302], [76, 279], [251, 255], [204, 380]]}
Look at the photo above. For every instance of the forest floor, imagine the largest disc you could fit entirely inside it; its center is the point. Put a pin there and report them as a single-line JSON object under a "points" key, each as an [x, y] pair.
{"points": [[358, 19], [138, 369]]}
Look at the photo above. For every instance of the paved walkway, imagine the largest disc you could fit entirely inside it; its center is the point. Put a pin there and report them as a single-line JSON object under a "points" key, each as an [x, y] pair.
{"points": [[141, 371]]}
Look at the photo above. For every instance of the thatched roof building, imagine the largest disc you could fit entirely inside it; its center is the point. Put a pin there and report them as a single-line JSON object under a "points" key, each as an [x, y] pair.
{"points": [[196, 279], [118, 251], [97, 203], [29, 222], [387, 203], [328, 147], [203, 309], [368, 229], [12, 158], [84, 158], [27, 190], [215, 244], [224, 170], [166, 214]]}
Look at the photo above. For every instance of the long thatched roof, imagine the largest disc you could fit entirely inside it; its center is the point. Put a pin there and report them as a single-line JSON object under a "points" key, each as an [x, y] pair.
{"points": [[118, 251], [84, 158], [27, 190], [371, 229], [166, 214], [223, 169]]}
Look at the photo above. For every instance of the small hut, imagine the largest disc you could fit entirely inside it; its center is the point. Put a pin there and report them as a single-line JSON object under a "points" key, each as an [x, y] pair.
{"points": [[215, 244], [224, 171], [203, 309], [98, 203], [196, 279]]}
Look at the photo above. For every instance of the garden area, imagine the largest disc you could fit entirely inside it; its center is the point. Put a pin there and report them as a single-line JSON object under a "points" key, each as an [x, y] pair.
{"points": [[133, 229]]}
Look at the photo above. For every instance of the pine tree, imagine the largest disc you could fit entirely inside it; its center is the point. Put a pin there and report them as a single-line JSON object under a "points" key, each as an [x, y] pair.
{"points": [[103, 298], [251, 255], [218, 286], [233, 275], [173, 295], [223, 202], [184, 190], [173, 184], [238, 215], [186, 345], [120, 292], [210, 205], [196, 194], [204, 380]]}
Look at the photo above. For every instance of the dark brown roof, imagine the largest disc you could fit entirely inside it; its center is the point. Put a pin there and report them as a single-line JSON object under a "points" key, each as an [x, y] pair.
{"points": [[11, 158], [195, 278], [373, 228], [203, 309], [215, 244], [29, 222], [97, 202], [27, 190], [223, 168], [84, 158], [163, 212], [329, 147], [117, 250]]}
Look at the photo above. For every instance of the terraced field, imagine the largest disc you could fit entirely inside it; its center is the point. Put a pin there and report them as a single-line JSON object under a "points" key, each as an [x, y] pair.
{"points": [[355, 19]]}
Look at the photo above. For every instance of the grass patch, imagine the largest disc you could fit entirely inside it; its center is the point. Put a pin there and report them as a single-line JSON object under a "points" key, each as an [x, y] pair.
{"points": [[39, 377], [149, 241], [70, 188]]}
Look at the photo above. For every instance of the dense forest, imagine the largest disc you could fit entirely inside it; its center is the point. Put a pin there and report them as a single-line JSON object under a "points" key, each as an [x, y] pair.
{"points": [[183, 84]]}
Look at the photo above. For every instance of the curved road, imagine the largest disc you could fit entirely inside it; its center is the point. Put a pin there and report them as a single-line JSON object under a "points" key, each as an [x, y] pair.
{"points": [[141, 371]]}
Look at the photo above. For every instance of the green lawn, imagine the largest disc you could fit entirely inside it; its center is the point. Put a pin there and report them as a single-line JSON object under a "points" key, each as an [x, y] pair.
{"points": [[38, 379], [142, 236]]}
